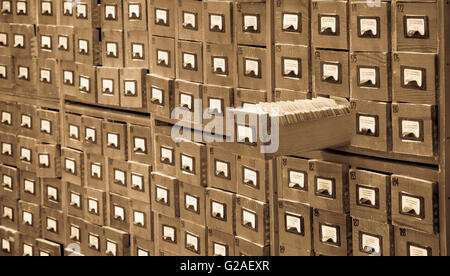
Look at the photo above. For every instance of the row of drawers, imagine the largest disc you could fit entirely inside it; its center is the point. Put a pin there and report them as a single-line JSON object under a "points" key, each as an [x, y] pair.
{"points": [[414, 25], [303, 230], [406, 201]]}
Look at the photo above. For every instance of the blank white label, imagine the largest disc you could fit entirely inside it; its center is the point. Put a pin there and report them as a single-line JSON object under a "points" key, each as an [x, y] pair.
{"points": [[163, 57], [410, 127], [192, 242], [29, 186], [8, 212], [222, 168], [411, 205], [189, 61], [3, 38], [27, 250], [52, 193], [6, 149], [191, 203], [108, 86], [139, 218], [19, 41], [6, 118], [93, 241], [220, 250], [251, 23], [139, 144], [367, 123], [249, 219], [90, 134], [367, 196], [52, 225], [169, 233], [134, 11], [113, 140], [96, 170], [63, 42], [415, 251], [325, 186], [6, 246], [93, 205], [7, 181], [296, 179], [215, 104], [137, 181], [111, 49], [250, 177], [166, 154], [68, 77], [216, 22], [157, 94], [46, 7], [367, 74], [329, 234], [84, 46], [331, 70], [75, 233], [44, 160], [25, 154], [82, 10], [6, 5], [162, 195], [142, 253], [368, 24], [75, 200], [110, 12], [220, 65], [189, 19], [244, 133], [85, 83], [186, 101], [161, 16], [46, 42], [415, 25], [370, 243], [130, 88], [43, 254], [218, 210], [28, 218], [294, 223], [290, 21], [291, 65], [119, 213], [119, 176], [328, 22], [138, 51], [21, 7], [23, 72], [252, 66], [2, 71], [411, 76], [26, 121], [68, 7], [187, 163], [46, 126]]}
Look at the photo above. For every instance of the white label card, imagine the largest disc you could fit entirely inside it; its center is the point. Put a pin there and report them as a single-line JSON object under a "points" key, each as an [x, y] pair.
{"points": [[3, 70], [410, 127], [412, 76], [8, 212], [93, 241], [23, 73], [6, 149], [368, 75], [113, 140], [134, 11], [162, 195], [142, 253], [137, 181], [222, 168], [110, 12], [294, 223], [187, 163], [329, 234], [21, 7], [91, 134], [189, 20], [157, 94], [291, 66], [415, 25], [46, 8], [191, 203], [85, 84], [166, 155], [63, 42], [215, 105], [252, 67], [108, 86], [7, 181], [189, 61], [68, 7], [415, 251], [186, 101], [27, 250], [370, 244], [163, 57], [368, 25], [111, 49], [6, 118], [139, 218], [96, 171], [411, 205], [3, 39], [52, 193], [46, 75], [75, 200], [26, 121], [139, 145], [250, 177], [6, 246], [25, 154], [367, 196], [119, 213], [93, 205], [245, 133], [169, 233], [325, 186], [68, 77], [249, 219], [296, 179], [130, 88], [75, 233], [290, 22], [331, 70], [161, 16], [27, 218], [84, 46], [46, 42], [192, 242], [218, 210], [216, 22], [52, 225], [219, 65], [251, 23], [82, 10], [46, 126], [6, 5], [138, 51], [328, 22], [29, 186], [220, 250], [119, 177], [367, 123]]}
